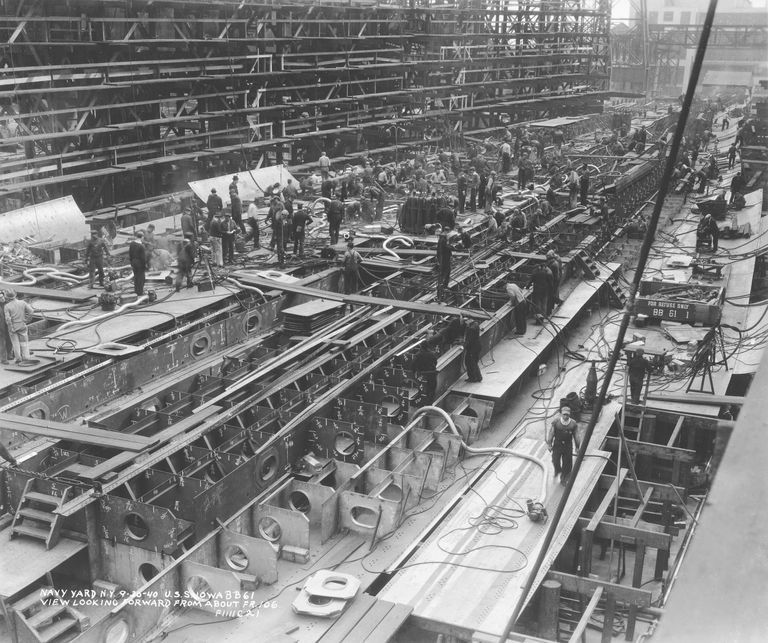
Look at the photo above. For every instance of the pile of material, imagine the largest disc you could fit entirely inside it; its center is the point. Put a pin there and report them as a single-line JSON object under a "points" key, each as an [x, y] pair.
{"points": [[307, 318], [18, 253]]}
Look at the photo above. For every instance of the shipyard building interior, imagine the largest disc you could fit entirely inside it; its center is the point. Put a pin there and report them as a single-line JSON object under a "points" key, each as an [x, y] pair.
{"points": [[400, 321]]}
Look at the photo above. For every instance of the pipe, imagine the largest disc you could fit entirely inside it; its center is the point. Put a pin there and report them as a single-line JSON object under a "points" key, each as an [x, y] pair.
{"points": [[490, 450], [51, 273], [393, 255], [89, 320], [244, 287]]}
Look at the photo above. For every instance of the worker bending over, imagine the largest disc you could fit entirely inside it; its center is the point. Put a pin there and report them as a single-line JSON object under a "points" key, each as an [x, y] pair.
{"points": [[184, 263], [472, 350], [637, 367]]}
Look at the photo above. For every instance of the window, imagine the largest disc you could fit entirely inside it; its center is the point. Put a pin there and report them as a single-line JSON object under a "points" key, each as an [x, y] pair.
{"points": [[685, 18], [668, 16]]}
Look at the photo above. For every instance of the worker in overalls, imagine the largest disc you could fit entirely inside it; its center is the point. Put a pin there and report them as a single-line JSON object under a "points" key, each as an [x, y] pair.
{"points": [[351, 262], [95, 251], [560, 438]]}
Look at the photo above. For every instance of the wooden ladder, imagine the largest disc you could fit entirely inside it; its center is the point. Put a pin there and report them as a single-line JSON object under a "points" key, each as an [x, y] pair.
{"points": [[35, 515], [47, 617]]}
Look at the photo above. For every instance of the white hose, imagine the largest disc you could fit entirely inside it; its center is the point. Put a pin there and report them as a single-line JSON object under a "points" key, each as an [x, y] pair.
{"points": [[244, 287], [393, 255], [112, 313], [491, 450], [51, 273]]}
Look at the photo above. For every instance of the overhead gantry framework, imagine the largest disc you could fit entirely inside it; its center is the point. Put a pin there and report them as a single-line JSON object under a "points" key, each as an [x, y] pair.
{"points": [[111, 101]]}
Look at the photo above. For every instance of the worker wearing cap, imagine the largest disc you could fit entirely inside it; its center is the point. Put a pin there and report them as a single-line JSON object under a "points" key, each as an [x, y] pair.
{"points": [[300, 222], [560, 437], [236, 206], [234, 189], [137, 255], [637, 367], [17, 314], [95, 251], [335, 215], [351, 262], [278, 236]]}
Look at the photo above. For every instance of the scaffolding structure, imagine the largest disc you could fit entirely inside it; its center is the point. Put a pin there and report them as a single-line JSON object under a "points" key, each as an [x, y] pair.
{"points": [[114, 101]]}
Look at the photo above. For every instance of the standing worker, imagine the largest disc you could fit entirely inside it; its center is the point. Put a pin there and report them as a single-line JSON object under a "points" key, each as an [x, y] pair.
{"points": [[137, 255], [95, 251], [335, 214], [461, 189], [506, 157], [518, 301], [237, 213], [474, 185], [443, 255], [584, 185], [300, 222], [17, 314], [472, 351], [560, 437], [184, 263], [542, 281], [351, 262], [637, 368], [325, 165], [188, 224], [278, 236], [216, 243], [556, 266], [228, 232], [234, 189], [6, 348], [732, 156], [738, 185], [573, 187], [215, 205]]}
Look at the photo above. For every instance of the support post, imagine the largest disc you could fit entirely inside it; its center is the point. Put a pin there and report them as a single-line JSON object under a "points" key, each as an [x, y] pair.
{"points": [[549, 607], [94, 542], [637, 581]]}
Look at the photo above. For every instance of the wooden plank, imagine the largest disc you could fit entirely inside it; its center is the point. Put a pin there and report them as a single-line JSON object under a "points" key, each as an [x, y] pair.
{"points": [[606, 501], [164, 436], [623, 531], [414, 306], [373, 620], [643, 503], [390, 625], [75, 433], [664, 492], [649, 448], [676, 432], [584, 620], [583, 585], [698, 398], [350, 617]]}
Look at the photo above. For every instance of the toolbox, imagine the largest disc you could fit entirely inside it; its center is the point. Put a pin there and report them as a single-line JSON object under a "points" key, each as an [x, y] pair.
{"points": [[687, 303]]}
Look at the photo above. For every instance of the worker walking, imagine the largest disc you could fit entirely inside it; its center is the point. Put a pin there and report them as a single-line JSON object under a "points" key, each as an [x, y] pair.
{"points": [[542, 281], [17, 314], [443, 255], [95, 251], [560, 439], [351, 263], [228, 231], [472, 351], [137, 255], [637, 367], [185, 260], [518, 301]]}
